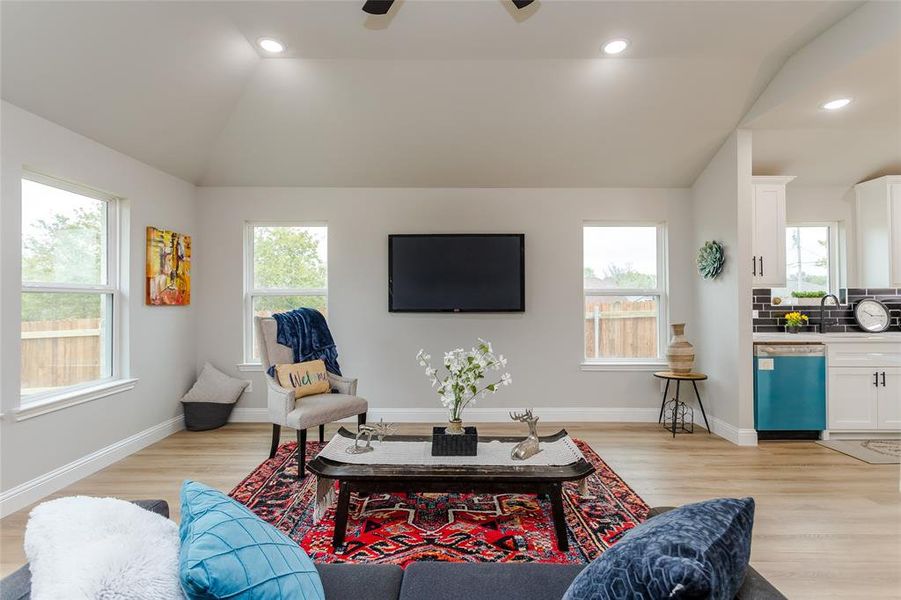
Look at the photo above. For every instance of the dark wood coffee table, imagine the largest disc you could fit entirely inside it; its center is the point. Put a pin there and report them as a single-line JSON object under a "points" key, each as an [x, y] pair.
{"points": [[440, 478]]}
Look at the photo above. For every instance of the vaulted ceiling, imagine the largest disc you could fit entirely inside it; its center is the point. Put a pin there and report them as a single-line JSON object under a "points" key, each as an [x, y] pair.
{"points": [[797, 137], [436, 93]]}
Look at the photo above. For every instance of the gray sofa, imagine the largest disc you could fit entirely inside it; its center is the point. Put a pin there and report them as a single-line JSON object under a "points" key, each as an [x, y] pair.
{"points": [[432, 580]]}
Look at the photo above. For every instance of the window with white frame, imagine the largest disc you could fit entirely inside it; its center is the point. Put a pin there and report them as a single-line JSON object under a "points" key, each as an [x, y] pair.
{"points": [[70, 278], [286, 268], [624, 305], [811, 260]]}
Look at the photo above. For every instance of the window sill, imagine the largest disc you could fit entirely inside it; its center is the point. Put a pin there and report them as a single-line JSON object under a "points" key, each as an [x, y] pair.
{"points": [[623, 366], [72, 398], [250, 367]]}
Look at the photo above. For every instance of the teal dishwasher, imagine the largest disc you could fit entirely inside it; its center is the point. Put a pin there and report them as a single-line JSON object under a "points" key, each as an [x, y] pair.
{"points": [[789, 391]]}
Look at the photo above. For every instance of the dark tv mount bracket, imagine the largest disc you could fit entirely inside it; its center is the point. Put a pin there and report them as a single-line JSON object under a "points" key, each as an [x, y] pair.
{"points": [[381, 7]]}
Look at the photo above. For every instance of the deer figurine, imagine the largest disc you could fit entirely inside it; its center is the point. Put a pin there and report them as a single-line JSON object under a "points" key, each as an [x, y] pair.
{"points": [[529, 446]]}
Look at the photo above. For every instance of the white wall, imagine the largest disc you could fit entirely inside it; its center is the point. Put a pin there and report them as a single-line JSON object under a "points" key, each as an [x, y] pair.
{"points": [[819, 203], [721, 198], [544, 344], [162, 340], [806, 204]]}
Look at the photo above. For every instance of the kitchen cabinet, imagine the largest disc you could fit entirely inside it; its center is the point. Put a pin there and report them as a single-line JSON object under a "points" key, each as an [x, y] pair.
{"points": [[888, 399], [852, 399], [864, 391], [768, 230], [878, 216]]}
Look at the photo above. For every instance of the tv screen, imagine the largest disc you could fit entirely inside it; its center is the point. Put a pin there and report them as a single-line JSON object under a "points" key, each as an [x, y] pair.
{"points": [[456, 273]]}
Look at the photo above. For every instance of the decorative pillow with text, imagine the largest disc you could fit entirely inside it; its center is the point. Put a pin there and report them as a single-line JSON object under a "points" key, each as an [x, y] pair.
{"points": [[306, 378]]}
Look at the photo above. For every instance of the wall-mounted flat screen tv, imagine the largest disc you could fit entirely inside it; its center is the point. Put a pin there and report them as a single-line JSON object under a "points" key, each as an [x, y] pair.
{"points": [[466, 272]]}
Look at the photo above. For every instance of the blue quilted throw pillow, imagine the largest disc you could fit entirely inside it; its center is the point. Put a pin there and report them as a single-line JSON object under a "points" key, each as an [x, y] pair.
{"points": [[229, 552], [695, 551]]}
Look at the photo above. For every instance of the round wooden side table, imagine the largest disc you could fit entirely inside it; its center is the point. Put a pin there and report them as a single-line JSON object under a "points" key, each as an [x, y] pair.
{"points": [[694, 378]]}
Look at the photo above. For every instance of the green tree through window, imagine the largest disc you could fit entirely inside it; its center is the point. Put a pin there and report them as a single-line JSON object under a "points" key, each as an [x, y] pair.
{"points": [[289, 271], [63, 248]]}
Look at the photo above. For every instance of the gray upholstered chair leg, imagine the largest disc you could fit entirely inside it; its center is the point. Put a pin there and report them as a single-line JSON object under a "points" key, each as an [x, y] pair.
{"points": [[321, 433], [276, 437], [361, 419], [301, 453]]}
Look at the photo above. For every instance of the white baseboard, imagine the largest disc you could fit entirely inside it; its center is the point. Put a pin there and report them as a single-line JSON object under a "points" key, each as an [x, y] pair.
{"points": [[479, 415], [861, 435], [739, 437], [31, 491], [548, 414], [249, 415]]}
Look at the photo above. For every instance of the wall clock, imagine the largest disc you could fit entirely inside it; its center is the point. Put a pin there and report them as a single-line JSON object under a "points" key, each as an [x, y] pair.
{"points": [[711, 258], [872, 315]]}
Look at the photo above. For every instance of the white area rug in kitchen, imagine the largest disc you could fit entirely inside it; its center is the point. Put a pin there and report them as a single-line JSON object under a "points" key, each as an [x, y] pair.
{"points": [[875, 452]]}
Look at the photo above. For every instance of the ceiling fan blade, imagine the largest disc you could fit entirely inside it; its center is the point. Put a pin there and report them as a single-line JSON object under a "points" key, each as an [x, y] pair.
{"points": [[378, 7], [521, 4]]}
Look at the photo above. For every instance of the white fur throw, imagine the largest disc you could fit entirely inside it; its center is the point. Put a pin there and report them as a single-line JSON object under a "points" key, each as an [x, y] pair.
{"points": [[101, 548]]}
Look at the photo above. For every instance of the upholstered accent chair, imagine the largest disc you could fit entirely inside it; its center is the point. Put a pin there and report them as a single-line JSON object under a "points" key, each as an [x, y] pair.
{"points": [[309, 411]]}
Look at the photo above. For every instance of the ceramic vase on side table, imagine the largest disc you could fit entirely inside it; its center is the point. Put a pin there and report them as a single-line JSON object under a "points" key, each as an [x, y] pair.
{"points": [[680, 355]]}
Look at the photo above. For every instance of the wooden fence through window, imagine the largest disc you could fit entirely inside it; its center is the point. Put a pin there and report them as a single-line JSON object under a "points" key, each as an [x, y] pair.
{"points": [[60, 353], [626, 329]]}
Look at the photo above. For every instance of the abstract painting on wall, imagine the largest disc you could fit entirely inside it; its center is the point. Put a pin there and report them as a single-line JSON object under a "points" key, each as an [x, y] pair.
{"points": [[168, 268]]}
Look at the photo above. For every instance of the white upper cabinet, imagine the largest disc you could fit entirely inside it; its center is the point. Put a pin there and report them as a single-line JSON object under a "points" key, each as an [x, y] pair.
{"points": [[768, 235], [878, 214]]}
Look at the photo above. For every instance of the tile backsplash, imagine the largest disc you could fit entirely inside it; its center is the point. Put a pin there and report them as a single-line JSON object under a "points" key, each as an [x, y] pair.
{"points": [[770, 316]]}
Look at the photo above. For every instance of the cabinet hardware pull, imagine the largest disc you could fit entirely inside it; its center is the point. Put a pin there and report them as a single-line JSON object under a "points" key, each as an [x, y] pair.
{"points": [[754, 262], [883, 379], [876, 378], [761, 266]]}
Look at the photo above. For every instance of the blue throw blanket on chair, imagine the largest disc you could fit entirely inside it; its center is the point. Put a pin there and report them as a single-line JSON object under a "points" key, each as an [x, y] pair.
{"points": [[305, 331]]}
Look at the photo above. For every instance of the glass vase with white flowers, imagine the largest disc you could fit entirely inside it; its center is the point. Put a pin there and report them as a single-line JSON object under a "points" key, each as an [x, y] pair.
{"points": [[460, 383]]}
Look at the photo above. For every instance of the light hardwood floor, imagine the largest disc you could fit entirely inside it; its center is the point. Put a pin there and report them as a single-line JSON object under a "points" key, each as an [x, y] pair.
{"points": [[827, 525]]}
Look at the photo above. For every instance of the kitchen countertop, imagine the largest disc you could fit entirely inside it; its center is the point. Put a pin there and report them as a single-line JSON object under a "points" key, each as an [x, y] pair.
{"points": [[827, 338]]}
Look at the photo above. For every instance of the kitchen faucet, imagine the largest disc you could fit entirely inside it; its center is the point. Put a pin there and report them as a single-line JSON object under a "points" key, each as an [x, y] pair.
{"points": [[822, 311]]}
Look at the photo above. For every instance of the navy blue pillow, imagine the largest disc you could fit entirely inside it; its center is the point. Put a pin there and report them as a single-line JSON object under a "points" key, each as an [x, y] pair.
{"points": [[694, 551]]}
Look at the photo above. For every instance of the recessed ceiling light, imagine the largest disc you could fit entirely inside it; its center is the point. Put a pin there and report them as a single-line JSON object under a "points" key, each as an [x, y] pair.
{"points": [[272, 46], [837, 103], [615, 46]]}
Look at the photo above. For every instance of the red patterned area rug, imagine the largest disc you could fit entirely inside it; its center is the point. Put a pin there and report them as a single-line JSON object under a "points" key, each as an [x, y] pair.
{"points": [[402, 528]]}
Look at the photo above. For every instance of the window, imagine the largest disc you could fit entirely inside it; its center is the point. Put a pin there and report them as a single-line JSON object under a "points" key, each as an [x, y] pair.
{"points": [[624, 310], [810, 259], [69, 287], [287, 268]]}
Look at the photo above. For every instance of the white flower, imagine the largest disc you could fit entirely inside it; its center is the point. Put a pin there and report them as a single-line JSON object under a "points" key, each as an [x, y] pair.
{"points": [[465, 369]]}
